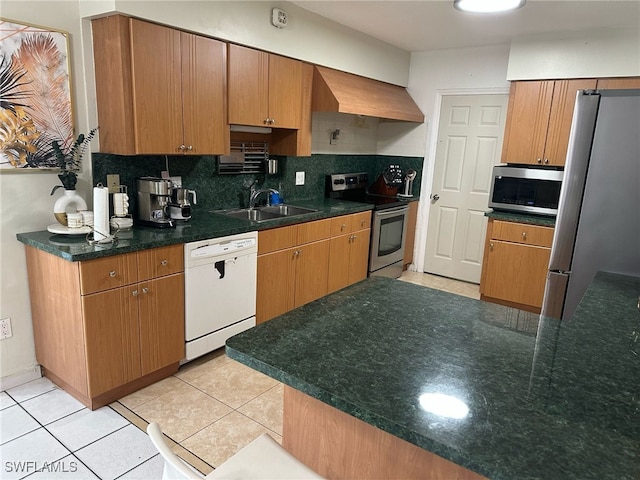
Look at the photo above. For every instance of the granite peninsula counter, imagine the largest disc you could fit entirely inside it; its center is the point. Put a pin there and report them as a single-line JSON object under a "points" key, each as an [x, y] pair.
{"points": [[545, 399]]}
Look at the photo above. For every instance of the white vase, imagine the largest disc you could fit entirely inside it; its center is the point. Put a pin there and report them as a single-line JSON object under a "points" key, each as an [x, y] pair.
{"points": [[68, 200]]}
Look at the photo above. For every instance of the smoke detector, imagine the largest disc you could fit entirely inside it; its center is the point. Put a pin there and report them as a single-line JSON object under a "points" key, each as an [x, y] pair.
{"points": [[278, 18]]}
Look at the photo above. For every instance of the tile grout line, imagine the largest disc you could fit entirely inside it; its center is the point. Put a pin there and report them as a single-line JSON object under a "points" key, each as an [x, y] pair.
{"points": [[44, 427]]}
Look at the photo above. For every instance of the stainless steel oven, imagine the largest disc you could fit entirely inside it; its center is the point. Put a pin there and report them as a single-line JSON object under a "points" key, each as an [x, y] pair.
{"points": [[389, 222], [388, 232]]}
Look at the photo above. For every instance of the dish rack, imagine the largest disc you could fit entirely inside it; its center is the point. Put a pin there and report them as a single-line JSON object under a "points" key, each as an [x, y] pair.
{"points": [[245, 157]]}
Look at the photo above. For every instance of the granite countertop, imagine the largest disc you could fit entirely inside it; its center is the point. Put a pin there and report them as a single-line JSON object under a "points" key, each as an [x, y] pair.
{"points": [[543, 220], [546, 399], [203, 225]]}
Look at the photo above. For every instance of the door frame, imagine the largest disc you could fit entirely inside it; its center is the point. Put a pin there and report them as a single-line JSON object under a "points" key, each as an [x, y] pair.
{"points": [[426, 186]]}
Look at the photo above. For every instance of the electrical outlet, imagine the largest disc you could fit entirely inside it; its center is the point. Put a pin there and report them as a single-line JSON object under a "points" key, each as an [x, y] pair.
{"points": [[299, 178], [5, 328], [113, 183]]}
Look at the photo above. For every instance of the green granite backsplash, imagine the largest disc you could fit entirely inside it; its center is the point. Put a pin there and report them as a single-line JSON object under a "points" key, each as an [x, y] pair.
{"points": [[215, 191]]}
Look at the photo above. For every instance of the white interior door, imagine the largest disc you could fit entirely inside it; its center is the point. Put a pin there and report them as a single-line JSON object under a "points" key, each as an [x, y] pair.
{"points": [[469, 144]]}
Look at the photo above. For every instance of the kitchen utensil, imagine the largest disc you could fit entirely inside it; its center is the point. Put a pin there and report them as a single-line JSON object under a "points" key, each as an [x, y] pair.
{"points": [[408, 184]]}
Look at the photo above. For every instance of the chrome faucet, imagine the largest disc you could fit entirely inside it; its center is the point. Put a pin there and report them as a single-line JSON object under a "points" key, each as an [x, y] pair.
{"points": [[256, 193]]}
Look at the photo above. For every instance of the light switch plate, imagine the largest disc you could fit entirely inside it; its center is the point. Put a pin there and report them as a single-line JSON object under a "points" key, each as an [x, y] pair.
{"points": [[299, 178]]}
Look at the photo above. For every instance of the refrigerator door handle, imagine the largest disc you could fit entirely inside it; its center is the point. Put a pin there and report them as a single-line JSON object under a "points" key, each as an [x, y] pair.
{"points": [[573, 183], [555, 291]]}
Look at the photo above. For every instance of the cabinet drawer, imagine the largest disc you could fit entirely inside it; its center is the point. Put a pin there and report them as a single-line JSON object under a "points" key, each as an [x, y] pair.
{"points": [[350, 223], [277, 239], [522, 233], [160, 262], [107, 273], [314, 231]]}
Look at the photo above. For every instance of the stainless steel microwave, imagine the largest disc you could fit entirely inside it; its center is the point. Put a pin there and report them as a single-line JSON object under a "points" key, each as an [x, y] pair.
{"points": [[518, 188]]}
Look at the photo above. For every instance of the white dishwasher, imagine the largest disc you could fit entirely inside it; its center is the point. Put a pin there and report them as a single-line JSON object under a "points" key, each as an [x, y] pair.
{"points": [[220, 290]]}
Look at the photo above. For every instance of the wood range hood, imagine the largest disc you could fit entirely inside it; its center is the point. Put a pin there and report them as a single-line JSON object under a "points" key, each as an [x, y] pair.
{"points": [[336, 91]]}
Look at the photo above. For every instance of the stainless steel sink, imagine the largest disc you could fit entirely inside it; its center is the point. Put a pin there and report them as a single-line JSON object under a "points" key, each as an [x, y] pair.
{"points": [[287, 210], [261, 214], [254, 214]]}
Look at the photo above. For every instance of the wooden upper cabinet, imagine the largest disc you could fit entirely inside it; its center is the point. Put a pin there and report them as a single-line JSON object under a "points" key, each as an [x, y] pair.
{"points": [[539, 120], [619, 83], [264, 89], [159, 90]]}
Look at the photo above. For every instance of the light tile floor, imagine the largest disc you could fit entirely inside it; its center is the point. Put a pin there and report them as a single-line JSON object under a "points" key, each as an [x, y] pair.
{"points": [[209, 409]]}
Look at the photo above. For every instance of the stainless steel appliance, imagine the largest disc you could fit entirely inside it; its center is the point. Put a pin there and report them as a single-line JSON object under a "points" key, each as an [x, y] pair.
{"points": [[180, 207], [528, 189], [220, 290], [388, 226], [154, 196], [598, 221]]}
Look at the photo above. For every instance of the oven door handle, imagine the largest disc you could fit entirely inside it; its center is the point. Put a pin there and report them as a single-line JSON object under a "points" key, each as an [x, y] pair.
{"points": [[387, 212]]}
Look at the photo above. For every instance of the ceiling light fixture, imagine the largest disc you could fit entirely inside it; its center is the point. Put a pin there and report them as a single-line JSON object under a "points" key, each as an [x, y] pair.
{"points": [[487, 6]]}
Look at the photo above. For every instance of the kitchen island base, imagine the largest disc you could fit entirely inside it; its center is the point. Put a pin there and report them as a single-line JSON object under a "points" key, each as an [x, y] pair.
{"points": [[339, 446]]}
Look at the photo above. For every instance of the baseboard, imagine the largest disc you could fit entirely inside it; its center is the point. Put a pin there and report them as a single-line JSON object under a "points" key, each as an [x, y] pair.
{"points": [[16, 379]]}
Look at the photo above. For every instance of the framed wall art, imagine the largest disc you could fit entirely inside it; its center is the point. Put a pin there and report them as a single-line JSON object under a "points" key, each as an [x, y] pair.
{"points": [[35, 96]]}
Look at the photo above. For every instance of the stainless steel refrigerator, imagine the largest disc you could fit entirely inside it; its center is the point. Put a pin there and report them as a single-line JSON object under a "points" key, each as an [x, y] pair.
{"points": [[598, 221]]}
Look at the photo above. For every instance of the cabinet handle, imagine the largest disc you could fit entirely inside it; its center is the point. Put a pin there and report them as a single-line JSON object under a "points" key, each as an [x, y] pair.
{"points": [[524, 235], [190, 147], [539, 160], [135, 293], [164, 263], [296, 253], [546, 161], [112, 273], [362, 222], [145, 290], [491, 246], [354, 237], [182, 147], [343, 226]]}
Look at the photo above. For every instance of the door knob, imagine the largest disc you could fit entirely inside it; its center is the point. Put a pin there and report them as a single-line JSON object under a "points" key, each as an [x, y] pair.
{"points": [[435, 197]]}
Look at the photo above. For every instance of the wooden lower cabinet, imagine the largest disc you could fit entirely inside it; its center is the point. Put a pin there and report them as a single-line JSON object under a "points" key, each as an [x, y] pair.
{"points": [[105, 328], [290, 278], [301, 263], [515, 265], [349, 251], [410, 238]]}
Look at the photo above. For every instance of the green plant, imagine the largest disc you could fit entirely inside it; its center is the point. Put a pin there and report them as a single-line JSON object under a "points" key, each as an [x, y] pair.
{"points": [[71, 161]]}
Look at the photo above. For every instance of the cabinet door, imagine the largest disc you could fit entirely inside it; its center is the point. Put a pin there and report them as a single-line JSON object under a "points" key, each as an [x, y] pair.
{"points": [[204, 104], [312, 269], [561, 115], [516, 273], [157, 90], [161, 320], [359, 256], [285, 92], [112, 338], [528, 119], [248, 86], [275, 293], [339, 262]]}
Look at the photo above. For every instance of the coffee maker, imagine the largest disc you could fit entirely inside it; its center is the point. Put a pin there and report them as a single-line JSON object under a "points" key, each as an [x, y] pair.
{"points": [[154, 197], [180, 207]]}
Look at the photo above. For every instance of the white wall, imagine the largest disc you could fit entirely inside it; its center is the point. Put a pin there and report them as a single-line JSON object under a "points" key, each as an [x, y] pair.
{"points": [[25, 204], [613, 52]]}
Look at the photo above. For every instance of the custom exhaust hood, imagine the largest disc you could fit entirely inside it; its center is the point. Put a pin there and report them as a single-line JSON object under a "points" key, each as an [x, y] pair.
{"points": [[336, 91]]}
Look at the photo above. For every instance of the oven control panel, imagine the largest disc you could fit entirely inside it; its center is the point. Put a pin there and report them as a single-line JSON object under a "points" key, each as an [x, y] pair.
{"points": [[347, 181]]}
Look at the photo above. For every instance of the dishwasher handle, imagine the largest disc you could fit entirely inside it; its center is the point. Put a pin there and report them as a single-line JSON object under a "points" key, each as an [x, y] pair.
{"points": [[220, 265]]}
